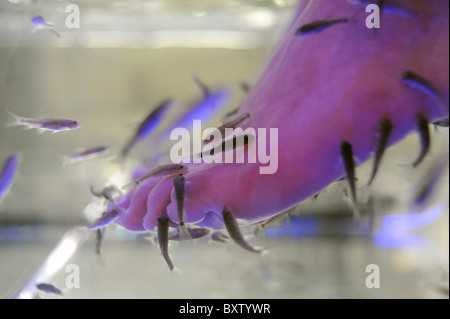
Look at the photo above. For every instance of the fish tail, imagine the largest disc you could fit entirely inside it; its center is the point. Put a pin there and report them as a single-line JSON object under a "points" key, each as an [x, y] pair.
{"points": [[184, 233], [14, 120], [66, 160]]}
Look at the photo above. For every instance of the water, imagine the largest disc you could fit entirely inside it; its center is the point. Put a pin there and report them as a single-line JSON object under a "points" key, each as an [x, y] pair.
{"points": [[124, 59]]}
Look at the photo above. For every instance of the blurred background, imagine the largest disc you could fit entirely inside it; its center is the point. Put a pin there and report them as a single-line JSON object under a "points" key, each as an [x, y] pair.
{"points": [[108, 74]]}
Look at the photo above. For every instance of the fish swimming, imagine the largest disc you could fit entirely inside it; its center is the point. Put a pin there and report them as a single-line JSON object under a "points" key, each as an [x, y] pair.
{"points": [[45, 124], [227, 145], [417, 82], [7, 174], [87, 154], [48, 288], [204, 110], [179, 184], [106, 219], [318, 26], [163, 239], [40, 23], [148, 126], [161, 170], [234, 231]]}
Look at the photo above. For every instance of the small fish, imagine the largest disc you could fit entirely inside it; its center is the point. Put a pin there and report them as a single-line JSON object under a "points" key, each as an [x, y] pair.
{"points": [[384, 130], [231, 124], [109, 193], [40, 23], [87, 154], [234, 231], [421, 84], [318, 26], [163, 239], [203, 110], [162, 170], [7, 174], [179, 183], [46, 124], [195, 233], [99, 233], [425, 138], [230, 144], [106, 219], [48, 288], [148, 126], [265, 224], [349, 164]]}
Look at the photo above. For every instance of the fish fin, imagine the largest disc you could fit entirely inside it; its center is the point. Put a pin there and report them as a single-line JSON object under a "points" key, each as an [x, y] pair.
{"points": [[14, 120], [384, 130], [184, 233], [234, 231], [65, 160], [163, 239], [349, 164], [425, 140]]}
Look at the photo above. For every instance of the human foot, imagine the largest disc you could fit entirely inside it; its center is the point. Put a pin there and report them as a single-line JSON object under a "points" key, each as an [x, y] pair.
{"points": [[332, 96]]}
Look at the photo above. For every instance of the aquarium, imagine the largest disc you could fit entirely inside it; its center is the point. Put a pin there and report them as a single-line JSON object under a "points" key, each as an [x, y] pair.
{"points": [[104, 66]]}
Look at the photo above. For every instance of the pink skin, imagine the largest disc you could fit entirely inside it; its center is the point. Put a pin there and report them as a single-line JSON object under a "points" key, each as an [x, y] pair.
{"points": [[318, 90]]}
